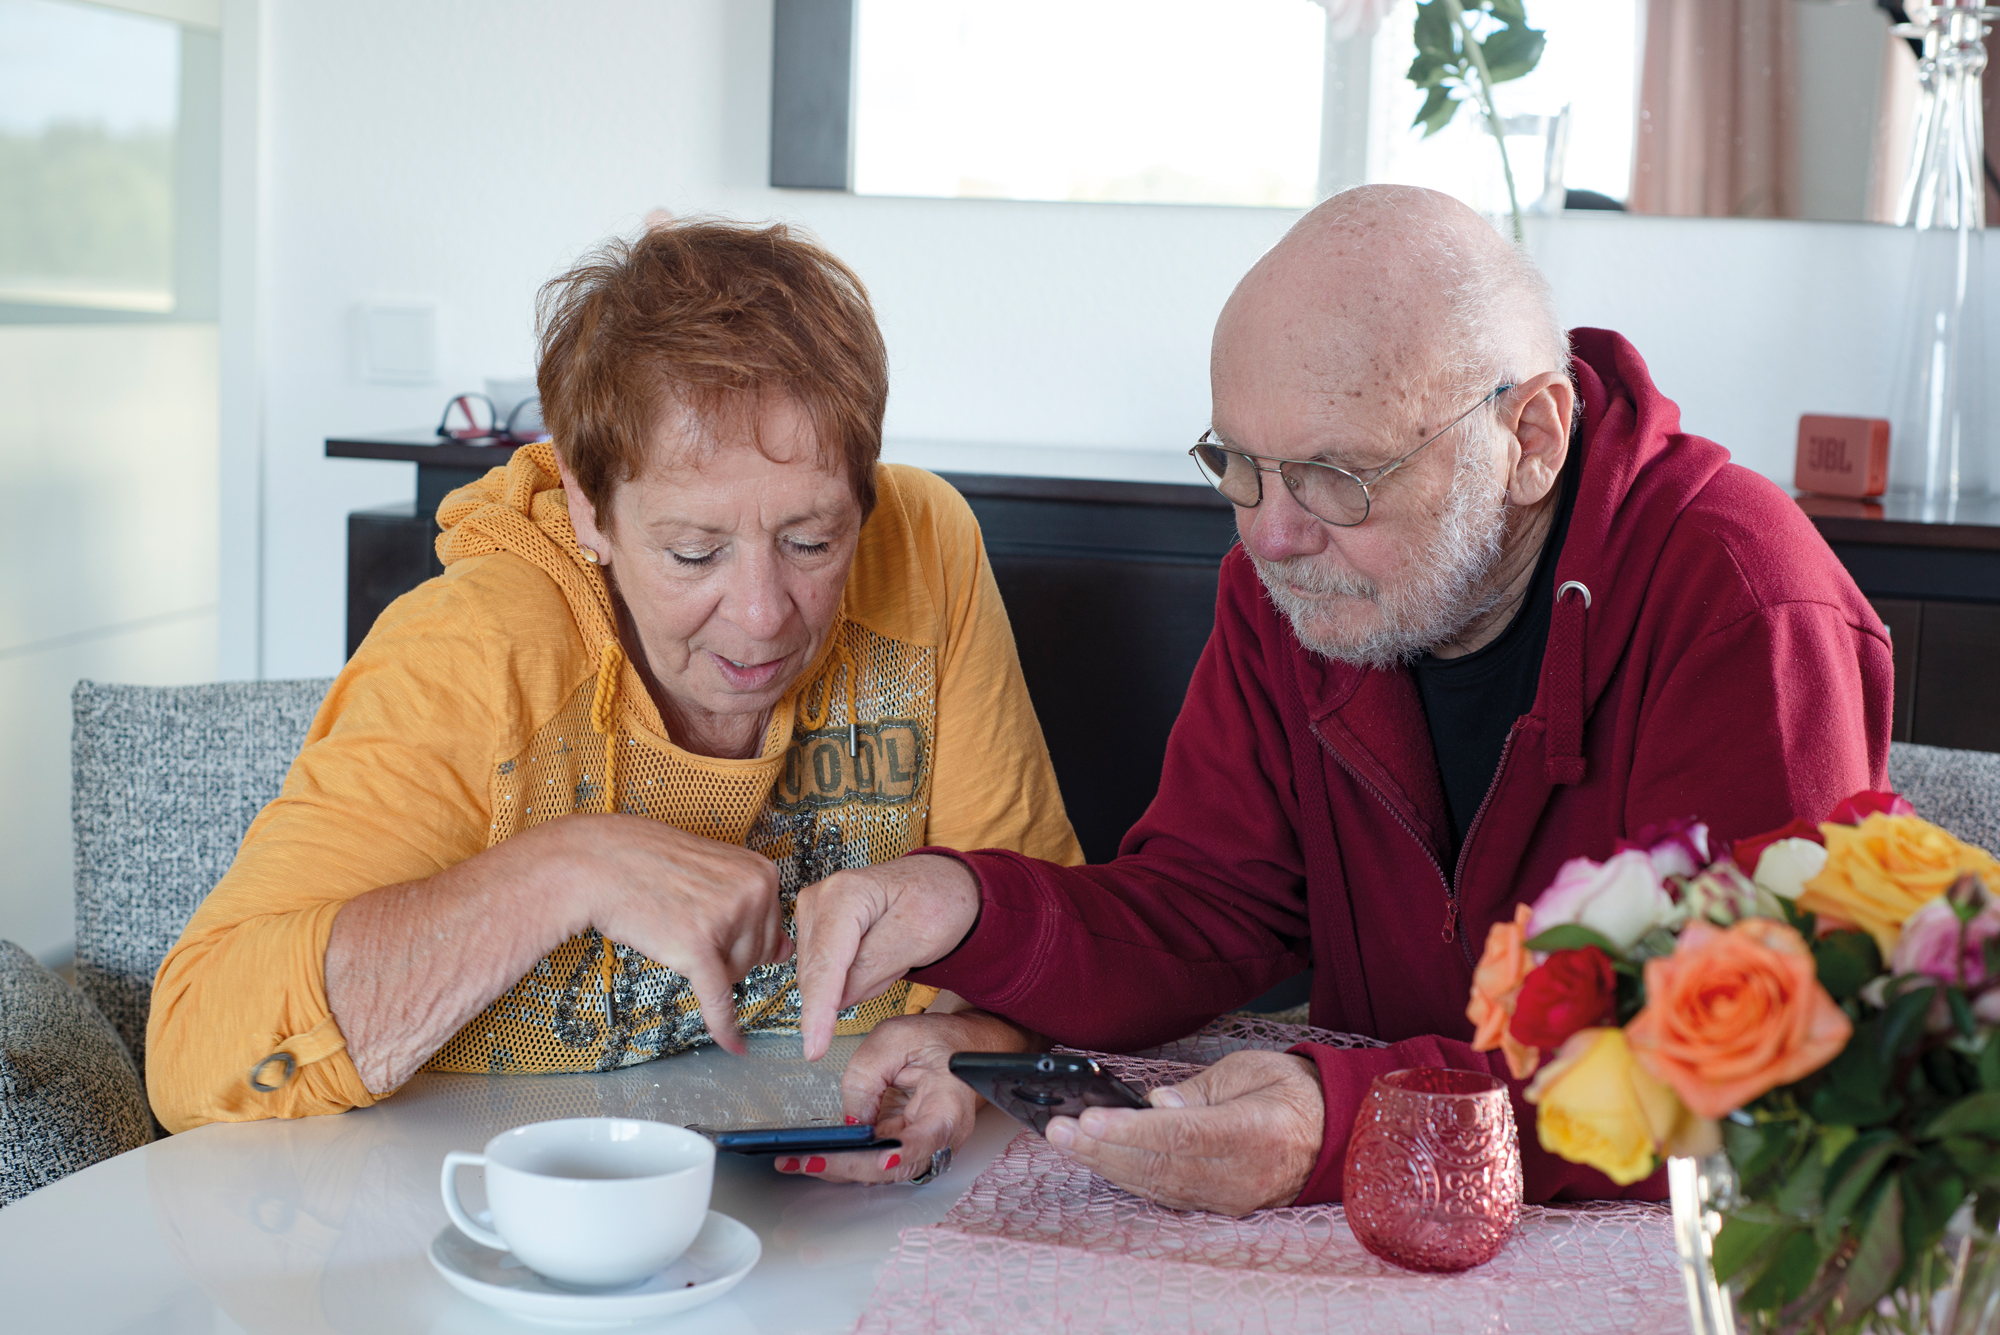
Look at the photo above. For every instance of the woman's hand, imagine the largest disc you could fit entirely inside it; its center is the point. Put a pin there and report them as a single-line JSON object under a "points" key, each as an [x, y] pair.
{"points": [[407, 966], [707, 910], [900, 1079]]}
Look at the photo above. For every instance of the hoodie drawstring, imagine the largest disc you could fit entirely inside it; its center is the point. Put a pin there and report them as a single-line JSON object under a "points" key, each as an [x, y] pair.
{"points": [[604, 721], [1566, 684], [811, 720]]}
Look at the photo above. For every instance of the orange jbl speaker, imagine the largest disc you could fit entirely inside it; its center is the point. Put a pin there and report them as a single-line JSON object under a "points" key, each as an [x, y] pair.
{"points": [[1842, 456]]}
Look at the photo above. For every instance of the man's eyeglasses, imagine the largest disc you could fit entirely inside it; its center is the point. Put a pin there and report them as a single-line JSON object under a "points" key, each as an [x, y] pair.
{"points": [[1324, 491], [472, 417]]}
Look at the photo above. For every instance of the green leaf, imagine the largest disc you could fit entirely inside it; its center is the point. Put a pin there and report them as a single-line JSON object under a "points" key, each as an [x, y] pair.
{"points": [[1509, 11], [1902, 1023], [1792, 1267], [1850, 1176], [1433, 32], [1989, 1060], [1833, 1140], [1438, 109], [1857, 1091], [1847, 961], [1928, 1203], [1961, 1011], [1743, 1241], [1977, 1159], [1880, 1253], [1974, 1115], [1512, 52], [1572, 936], [1427, 71], [1800, 1196]]}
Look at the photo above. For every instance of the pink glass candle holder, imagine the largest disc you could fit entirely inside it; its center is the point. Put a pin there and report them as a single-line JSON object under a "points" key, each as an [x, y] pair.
{"points": [[1433, 1174]]}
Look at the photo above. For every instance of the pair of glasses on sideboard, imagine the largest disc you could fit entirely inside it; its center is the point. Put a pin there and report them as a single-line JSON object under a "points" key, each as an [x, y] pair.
{"points": [[472, 417]]}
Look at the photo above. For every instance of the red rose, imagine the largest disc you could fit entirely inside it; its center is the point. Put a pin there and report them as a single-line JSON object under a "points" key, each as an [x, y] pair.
{"points": [[1747, 851], [1568, 991], [1853, 810]]}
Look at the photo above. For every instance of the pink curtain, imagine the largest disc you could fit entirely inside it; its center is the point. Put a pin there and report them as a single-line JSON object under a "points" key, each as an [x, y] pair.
{"points": [[1716, 94]]}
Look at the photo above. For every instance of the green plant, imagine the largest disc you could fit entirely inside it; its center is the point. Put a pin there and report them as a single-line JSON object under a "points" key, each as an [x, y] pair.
{"points": [[1464, 48]]}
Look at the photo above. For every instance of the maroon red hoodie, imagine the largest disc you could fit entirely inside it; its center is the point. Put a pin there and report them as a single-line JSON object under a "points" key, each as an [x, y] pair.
{"points": [[1721, 665]]}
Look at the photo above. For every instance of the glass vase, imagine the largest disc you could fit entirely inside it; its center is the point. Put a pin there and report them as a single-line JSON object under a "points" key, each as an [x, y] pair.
{"points": [[1955, 1292], [1938, 439]]}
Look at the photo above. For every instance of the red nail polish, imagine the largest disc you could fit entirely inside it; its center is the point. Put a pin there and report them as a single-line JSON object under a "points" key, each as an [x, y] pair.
{"points": [[815, 1165], [789, 1166], [853, 1120], [894, 1160]]}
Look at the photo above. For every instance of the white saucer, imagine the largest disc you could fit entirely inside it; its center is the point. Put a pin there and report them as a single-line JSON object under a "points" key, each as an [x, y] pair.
{"points": [[721, 1255]]}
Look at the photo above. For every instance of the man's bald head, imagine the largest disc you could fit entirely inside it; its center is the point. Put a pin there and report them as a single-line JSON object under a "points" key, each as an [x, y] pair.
{"points": [[1375, 325], [1401, 284]]}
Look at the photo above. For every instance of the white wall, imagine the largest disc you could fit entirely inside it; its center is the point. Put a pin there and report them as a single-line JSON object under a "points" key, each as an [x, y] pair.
{"points": [[463, 150], [107, 447]]}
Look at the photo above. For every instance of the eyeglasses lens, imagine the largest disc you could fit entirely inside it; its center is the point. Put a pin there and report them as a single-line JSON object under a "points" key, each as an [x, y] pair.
{"points": [[1327, 493], [1324, 492], [1228, 472], [467, 417]]}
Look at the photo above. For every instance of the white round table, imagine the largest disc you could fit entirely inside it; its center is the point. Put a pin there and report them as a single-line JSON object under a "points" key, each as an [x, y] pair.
{"points": [[321, 1224]]}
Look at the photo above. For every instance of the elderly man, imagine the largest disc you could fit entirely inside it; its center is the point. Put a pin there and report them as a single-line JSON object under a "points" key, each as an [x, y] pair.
{"points": [[1492, 610]]}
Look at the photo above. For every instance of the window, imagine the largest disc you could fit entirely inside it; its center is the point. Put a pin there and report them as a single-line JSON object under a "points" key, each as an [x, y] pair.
{"points": [[108, 161], [1155, 101]]}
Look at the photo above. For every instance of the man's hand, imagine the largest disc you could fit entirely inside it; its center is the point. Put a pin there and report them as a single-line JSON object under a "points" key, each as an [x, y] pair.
{"points": [[859, 931], [1241, 1136], [900, 1079]]}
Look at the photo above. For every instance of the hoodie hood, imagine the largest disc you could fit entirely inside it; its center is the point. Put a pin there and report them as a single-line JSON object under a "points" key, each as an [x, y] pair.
{"points": [[520, 508]]}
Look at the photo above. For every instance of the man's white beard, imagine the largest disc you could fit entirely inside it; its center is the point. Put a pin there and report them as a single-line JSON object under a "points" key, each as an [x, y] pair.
{"points": [[1444, 592]]}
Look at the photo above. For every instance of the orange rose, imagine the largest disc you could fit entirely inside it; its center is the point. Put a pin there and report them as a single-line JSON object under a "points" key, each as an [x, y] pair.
{"points": [[1881, 871], [1496, 985], [1731, 1014]]}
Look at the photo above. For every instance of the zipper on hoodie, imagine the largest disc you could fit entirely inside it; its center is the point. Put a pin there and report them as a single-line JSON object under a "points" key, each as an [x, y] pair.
{"points": [[1458, 871], [1451, 924]]}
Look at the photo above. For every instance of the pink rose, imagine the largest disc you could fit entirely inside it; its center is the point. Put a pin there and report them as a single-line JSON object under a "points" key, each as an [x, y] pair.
{"points": [[1936, 942], [1853, 810], [1677, 847], [1620, 899]]}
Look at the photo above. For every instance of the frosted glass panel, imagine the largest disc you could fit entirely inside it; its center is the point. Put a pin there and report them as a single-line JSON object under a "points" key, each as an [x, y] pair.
{"points": [[89, 111], [1148, 101]]}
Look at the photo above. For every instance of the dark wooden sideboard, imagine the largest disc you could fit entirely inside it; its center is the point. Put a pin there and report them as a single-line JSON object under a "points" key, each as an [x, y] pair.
{"points": [[1110, 587]]}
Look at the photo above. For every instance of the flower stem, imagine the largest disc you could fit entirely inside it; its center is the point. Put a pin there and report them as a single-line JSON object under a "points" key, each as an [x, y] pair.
{"points": [[1485, 93]]}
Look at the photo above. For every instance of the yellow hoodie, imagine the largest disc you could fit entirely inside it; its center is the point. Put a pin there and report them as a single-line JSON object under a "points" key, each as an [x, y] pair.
{"points": [[496, 697]]}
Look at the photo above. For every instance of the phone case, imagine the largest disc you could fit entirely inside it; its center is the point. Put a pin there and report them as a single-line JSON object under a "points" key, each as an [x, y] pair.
{"points": [[1032, 1087], [796, 1139]]}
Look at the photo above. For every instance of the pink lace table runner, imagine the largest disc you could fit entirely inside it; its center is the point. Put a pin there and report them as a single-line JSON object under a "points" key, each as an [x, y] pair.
{"points": [[1040, 1244]]}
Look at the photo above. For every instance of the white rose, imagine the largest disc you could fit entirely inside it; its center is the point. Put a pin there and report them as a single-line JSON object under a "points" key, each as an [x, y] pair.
{"points": [[1786, 865], [1621, 899]]}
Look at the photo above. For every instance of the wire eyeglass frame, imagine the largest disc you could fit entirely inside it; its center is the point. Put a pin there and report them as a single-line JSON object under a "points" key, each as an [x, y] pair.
{"points": [[1295, 481]]}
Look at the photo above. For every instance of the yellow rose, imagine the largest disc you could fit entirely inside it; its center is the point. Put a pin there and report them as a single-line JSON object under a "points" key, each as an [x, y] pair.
{"points": [[1595, 1106], [1881, 871]]}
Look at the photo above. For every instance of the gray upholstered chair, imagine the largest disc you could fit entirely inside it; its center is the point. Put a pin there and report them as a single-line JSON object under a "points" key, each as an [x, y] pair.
{"points": [[1959, 790], [165, 780]]}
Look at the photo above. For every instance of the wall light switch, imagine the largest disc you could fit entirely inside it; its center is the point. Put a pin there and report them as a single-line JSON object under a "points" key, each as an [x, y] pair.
{"points": [[399, 343]]}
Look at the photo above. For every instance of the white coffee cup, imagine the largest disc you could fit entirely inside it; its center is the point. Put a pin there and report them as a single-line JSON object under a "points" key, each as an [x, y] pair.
{"points": [[589, 1202]]}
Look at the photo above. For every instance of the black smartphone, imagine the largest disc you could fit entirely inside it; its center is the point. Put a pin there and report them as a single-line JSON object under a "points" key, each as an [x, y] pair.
{"points": [[1032, 1087], [826, 1139]]}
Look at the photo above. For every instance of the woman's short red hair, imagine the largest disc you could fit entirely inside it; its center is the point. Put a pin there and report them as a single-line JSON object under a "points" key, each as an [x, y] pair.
{"points": [[708, 317]]}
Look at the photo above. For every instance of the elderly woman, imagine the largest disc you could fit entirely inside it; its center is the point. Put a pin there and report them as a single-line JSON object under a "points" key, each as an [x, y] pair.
{"points": [[699, 651]]}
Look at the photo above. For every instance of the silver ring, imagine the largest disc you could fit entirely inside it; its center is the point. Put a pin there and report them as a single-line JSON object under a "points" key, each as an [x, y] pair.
{"points": [[1579, 586], [940, 1162]]}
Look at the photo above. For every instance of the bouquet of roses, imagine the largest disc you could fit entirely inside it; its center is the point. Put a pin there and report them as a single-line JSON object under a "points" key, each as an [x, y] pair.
{"points": [[1822, 1004]]}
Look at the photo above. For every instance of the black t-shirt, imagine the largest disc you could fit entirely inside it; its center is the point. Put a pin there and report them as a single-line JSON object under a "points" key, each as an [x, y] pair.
{"points": [[1471, 703]]}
